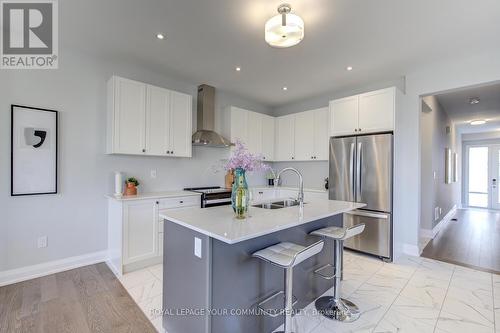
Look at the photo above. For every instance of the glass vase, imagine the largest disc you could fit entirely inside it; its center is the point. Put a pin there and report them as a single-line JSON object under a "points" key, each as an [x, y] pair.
{"points": [[240, 196]]}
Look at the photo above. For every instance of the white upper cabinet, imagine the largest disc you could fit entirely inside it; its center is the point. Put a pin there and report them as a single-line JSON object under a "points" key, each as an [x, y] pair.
{"points": [[238, 124], [344, 115], [376, 110], [365, 113], [157, 120], [285, 140], [255, 130], [310, 135], [304, 136], [321, 137], [127, 121], [268, 137], [148, 120], [181, 125]]}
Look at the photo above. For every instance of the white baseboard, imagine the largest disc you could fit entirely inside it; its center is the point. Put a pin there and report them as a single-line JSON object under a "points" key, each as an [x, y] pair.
{"points": [[429, 234], [51, 267], [444, 221], [411, 250]]}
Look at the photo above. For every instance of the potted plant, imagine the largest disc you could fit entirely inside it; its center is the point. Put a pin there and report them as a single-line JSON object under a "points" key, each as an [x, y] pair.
{"points": [[242, 161], [131, 188]]}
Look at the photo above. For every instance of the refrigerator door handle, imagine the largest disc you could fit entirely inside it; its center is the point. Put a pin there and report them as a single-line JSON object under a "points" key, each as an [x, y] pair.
{"points": [[368, 214], [351, 173], [358, 171]]}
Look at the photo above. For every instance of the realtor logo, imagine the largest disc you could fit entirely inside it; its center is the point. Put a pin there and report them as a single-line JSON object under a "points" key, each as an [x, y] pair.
{"points": [[29, 34]]}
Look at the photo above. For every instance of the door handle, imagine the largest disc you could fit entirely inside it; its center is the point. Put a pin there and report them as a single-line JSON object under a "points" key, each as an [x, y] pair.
{"points": [[358, 170], [351, 173], [368, 214]]}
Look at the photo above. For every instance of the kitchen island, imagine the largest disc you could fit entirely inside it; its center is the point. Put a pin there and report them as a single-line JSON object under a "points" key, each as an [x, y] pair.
{"points": [[210, 279]]}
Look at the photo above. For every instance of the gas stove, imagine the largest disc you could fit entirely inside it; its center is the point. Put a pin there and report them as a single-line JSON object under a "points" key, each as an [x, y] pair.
{"points": [[212, 196]]}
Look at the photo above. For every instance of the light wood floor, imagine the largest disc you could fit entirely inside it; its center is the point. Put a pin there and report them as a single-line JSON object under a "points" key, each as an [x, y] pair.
{"points": [[473, 241], [87, 299]]}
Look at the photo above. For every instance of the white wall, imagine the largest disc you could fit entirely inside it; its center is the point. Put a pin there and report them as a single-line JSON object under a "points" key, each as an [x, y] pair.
{"points": [[75, 219], [423, 81]]}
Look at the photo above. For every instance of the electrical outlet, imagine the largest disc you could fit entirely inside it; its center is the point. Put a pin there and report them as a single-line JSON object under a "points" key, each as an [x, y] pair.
{"points": [[42, 242], [436, 214], [153, 173], [435, 175], [197, 247]]}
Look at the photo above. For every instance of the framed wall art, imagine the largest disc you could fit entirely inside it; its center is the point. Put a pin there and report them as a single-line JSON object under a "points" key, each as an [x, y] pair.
{"points": [[33, 151]]}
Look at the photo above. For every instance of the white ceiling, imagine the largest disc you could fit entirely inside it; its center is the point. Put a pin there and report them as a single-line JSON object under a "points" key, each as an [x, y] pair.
{"points": [[458, 108], [207, 39]]}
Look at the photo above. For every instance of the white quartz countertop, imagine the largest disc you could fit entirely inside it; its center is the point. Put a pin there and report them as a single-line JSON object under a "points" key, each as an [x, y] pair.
{"points": [[220, 223], [155, 195]]}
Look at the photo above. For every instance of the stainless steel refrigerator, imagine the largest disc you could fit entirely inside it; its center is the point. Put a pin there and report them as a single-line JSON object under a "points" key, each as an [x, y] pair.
{"points": [[361, 171]]}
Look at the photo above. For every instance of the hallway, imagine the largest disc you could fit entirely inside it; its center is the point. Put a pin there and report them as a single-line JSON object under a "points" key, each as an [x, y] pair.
{"points": [[473, 240]]}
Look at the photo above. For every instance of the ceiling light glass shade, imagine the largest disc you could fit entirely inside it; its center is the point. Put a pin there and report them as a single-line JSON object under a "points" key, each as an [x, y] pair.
{"points": [[478, 122], [284, 30]]}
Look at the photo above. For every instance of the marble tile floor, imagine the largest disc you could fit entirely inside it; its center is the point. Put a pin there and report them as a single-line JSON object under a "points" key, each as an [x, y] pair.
{"points": [[410, 295]]}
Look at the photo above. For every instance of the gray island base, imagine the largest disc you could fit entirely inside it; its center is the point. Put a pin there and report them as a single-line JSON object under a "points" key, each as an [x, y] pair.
{"points": [[214, 285]]}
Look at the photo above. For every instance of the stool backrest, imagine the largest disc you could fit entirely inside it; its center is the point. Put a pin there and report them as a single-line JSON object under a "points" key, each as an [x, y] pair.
{"points": [[354, 230], [308, 252]]}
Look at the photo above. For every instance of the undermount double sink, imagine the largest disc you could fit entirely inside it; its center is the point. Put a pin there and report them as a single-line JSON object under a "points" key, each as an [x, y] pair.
{"points": [[278, 204]]}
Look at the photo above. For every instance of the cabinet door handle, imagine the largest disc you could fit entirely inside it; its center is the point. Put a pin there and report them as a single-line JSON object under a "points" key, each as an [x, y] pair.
{"points": [[157, 202], [144, 150], [171, 152], [355, 130], [293, 158], [359, 129], [181, 202], [261, 192]]}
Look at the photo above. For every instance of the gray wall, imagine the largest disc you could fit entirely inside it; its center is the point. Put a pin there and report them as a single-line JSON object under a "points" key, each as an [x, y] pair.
{"points": [[75, 219], [434, 140], [314, 173]]}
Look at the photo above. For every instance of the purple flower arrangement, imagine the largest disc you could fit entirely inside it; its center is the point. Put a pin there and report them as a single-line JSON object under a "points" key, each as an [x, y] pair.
{"points": [[243, 159]]}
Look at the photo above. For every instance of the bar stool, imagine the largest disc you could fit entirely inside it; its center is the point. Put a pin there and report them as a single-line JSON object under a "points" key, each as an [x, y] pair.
{"points": [[334, 307], [286, 255]]}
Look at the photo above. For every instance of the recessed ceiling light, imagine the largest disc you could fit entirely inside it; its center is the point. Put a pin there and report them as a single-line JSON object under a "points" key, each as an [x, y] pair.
{"points": [[478, 122], [238, 69], [285, 88], [474, 100], [160, 36], [349, 68]]}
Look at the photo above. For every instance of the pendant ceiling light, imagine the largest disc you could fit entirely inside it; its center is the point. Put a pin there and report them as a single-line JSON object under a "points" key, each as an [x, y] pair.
{"points": [[285, 29]]}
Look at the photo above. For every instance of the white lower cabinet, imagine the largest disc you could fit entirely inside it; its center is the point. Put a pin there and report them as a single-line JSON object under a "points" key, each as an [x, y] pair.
{"points": [[135, 231], [140, 231]]}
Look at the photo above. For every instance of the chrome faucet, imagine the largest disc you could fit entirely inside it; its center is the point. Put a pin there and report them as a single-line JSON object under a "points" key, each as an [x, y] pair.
{"points": [[300, 197]]}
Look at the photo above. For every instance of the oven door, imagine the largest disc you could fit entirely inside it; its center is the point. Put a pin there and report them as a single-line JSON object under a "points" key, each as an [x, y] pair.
{"points": [[376, 239], [216, 199]]}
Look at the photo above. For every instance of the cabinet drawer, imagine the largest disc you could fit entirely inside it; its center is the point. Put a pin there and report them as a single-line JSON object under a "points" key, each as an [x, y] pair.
{"points": [[180, 202]]}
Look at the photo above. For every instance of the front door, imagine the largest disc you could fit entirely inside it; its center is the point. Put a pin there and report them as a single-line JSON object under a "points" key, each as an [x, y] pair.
{"points": [[495, 177], [483, 177]]}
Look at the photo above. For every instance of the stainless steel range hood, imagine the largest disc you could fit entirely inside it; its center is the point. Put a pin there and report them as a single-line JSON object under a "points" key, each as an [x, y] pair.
{"points": [[206, 136]]}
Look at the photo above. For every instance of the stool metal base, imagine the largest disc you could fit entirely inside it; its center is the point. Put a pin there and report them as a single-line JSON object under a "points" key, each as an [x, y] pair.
{"points": [[342, 310]]}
